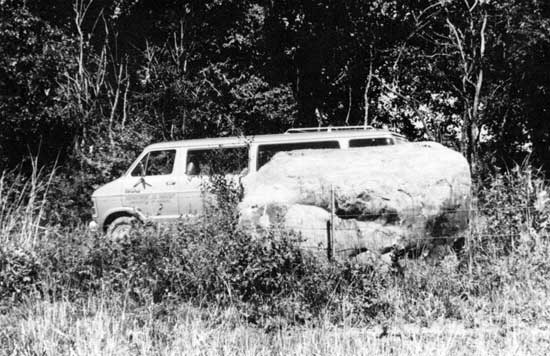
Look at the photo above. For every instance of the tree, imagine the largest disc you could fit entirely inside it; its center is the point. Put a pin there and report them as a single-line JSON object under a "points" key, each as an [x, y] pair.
{"points": [[328, 50], [466, 41], [464, 66], [34, 58]]}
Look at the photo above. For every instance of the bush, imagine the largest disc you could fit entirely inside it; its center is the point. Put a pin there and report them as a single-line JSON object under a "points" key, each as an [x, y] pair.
{"points": [[19, 273], [210, 262], [504, 267], [511, 205], [267, 278]]}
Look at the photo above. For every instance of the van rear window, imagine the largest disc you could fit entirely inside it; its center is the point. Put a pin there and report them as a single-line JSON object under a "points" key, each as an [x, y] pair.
{"points": [[368, 142], [266, 152]]}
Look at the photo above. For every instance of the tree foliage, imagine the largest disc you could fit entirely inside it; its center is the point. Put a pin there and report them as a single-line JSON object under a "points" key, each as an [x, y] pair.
{"points": [[91, 82], [34, 57]]}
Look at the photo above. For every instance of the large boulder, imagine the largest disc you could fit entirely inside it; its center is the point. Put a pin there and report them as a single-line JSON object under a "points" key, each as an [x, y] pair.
{"points": [[401, 196]]}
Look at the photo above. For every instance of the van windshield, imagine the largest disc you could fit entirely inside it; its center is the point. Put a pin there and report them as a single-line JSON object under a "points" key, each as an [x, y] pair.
{"points": [[266, 152]]}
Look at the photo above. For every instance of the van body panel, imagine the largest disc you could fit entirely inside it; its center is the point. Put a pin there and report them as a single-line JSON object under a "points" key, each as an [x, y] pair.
{"points": [[153, 196], [190, 197]]}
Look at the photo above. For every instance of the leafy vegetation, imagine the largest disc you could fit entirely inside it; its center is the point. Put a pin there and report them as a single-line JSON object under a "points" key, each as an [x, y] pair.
{"points": [[91, 82], [269, 280], [211, 276], [86, 84]]}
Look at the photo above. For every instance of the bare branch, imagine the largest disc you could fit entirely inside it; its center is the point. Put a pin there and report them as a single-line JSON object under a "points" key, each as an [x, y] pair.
{"points": [[419, 27], [114, 105], [349, 105], [483, 28], [125, 99], [472, 7], [458, 43], [366, 95]]}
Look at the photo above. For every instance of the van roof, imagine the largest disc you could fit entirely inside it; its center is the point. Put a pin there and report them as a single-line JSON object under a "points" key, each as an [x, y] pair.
{"points": [[275, 138]]}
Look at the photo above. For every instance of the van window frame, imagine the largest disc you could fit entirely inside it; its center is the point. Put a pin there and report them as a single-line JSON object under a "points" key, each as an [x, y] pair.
{"points": [[400, 139], [391, 138], [182, 147], [188, 149], [258, 146], [146, 154]]}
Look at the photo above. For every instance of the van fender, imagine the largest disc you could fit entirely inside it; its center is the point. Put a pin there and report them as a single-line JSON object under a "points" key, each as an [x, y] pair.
{"points": [[117, 212]]}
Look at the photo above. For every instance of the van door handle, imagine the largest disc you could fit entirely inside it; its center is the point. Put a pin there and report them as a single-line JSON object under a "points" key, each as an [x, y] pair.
{"points": [[171, 182]]}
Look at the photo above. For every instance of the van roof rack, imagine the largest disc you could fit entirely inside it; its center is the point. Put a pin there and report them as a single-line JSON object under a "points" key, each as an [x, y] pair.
{"points": [[329, 129]]}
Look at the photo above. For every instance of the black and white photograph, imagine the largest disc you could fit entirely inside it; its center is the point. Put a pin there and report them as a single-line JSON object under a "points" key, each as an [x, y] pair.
{"points": [[274, 177]]}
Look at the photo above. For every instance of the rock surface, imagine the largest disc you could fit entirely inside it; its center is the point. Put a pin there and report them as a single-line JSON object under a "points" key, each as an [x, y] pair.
{"points": [[402, 196]]}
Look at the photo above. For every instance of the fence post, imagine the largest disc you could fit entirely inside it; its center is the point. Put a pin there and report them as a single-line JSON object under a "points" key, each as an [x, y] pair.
{"points": [[472, 215], [329, 240], [330, 225]]}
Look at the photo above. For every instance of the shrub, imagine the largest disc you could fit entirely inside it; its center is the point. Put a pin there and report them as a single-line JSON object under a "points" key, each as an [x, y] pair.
{"points": [[19, 273], [210, 262], [267, 278], [505, 266], [511, 205]]}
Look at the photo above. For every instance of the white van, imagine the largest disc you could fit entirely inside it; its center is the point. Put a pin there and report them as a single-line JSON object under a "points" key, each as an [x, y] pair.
{"points": [[164, 183]]}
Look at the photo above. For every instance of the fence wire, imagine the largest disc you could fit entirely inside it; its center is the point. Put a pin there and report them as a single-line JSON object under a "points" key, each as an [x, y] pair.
{"points": [[467, 234]]}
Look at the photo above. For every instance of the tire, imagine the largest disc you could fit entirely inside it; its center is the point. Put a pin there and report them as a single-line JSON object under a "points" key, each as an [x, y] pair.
{"points": [[121, 227]]}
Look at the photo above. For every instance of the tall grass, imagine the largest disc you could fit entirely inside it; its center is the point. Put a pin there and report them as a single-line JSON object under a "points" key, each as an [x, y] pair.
{"points": [[210, 288], [23, 199], [101, 326]]}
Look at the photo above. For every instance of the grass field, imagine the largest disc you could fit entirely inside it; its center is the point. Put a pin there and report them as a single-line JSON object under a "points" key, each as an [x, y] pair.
{"points": [[213, 290], [97, 327]]}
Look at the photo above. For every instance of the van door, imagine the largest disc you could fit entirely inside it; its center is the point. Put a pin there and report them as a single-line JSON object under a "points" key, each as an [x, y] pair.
{"points": [[203, 164], [152, 186], [190, 198]]}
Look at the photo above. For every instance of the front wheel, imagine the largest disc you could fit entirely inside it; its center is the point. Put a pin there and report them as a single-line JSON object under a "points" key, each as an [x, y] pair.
{"points": [[121, 227]]}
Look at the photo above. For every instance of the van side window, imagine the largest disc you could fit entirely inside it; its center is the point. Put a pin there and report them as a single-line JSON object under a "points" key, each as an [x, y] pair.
{"points": [[217, 161], [266, 152], [400, 140], [368, 142], [156, 163]]}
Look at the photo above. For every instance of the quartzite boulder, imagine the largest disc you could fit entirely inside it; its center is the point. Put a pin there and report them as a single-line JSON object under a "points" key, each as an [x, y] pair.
{"points": [[405, 196]]}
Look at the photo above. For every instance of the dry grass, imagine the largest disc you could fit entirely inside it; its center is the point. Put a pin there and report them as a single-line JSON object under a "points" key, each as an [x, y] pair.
{"points": [[513, 320], [99, 327], [22, 203], [498, 306]]}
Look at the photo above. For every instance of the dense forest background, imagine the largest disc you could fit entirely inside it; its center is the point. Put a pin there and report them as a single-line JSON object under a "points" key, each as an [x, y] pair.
{"points": [[86, 84]]}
